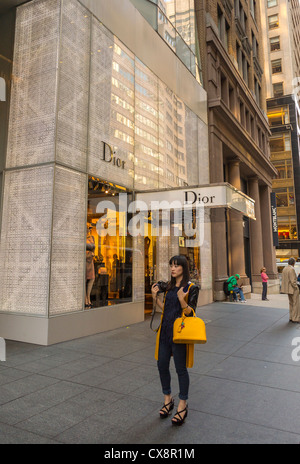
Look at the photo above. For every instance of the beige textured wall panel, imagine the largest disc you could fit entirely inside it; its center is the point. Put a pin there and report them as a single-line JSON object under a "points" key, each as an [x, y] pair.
{"points": [[68, 242], [33, 98], [25, 241], [73, 85]]}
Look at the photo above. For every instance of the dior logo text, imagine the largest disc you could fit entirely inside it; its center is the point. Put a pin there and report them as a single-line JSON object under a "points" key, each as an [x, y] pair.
{"points": [[109, 156], [191, 198]]}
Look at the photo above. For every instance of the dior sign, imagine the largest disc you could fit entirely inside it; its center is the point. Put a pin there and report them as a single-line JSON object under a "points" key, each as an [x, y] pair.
{"points": [[110, 156]]}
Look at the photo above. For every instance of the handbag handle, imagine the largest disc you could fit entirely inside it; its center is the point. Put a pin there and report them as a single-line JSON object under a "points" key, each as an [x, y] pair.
{"points": [[183, 318], [154, 312]]}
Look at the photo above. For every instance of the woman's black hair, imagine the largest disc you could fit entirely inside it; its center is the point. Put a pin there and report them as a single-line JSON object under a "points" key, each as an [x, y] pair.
{"points": [[180, 260]]}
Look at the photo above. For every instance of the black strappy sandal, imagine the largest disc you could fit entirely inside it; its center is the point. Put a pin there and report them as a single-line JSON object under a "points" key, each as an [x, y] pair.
{"points": [[165, 410], [176, 421]]}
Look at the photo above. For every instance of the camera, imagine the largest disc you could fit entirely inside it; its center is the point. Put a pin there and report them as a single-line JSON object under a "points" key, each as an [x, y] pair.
{"points": [[162, 286]]}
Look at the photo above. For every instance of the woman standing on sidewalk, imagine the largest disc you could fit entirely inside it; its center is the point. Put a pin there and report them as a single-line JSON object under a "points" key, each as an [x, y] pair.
{"points": [[265, 279], [180, 296]]}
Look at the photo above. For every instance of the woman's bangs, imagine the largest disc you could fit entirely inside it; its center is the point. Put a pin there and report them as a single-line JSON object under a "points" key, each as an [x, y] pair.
{"points": [[177, 260]]}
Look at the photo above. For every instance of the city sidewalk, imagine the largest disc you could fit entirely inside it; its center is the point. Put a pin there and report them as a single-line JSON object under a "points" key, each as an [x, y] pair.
{"points": [[105, 388]]}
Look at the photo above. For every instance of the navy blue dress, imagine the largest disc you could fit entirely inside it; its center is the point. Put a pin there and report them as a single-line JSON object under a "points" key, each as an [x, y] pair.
{"points": [[172, 311]]}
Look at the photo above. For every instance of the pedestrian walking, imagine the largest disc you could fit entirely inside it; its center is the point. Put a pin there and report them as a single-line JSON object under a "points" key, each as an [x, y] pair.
{"points": [[264, 278], [180, 295], [234, 287], [290, 287]]}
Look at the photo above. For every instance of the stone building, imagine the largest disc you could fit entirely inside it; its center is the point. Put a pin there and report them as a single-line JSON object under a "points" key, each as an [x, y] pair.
{"points": [[231, 44]]}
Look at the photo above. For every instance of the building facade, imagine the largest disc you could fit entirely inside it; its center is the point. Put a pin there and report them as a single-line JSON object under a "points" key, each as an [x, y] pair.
{"points": [[106, 105], [93, 114], [231, 44], [281, 20]]}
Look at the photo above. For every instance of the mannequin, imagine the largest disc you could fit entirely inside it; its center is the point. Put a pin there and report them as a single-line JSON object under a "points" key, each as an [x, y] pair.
{"points": [[90, 269]]}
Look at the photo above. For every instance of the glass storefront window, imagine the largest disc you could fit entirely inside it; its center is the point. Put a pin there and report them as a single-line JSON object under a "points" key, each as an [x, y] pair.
{"points": [[109, 251], [279, 116], [287, 228]]}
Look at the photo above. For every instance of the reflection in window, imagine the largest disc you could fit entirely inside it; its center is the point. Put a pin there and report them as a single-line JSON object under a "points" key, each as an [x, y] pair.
{"points": [[276, 66], [279, 116], [273, 21], [287, 228], [275, 43], [285, 197], [284, 168], [176, 24], [278, 89], [109, 256], [280, 143]]}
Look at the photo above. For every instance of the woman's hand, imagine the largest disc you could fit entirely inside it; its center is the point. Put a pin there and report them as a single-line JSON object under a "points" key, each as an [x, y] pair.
{"points": [[181, 294], [154, 291]]}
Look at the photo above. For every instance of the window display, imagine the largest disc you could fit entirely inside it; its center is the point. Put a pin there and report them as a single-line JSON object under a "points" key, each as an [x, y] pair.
{"points": [[109, 251]]}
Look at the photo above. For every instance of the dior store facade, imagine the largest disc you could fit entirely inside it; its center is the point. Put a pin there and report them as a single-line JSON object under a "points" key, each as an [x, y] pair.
{"points": [[99, 108]]}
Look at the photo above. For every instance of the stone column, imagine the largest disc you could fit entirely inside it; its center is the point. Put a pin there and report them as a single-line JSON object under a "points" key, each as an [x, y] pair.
{"points": [[236, 228], [269, 251], [218, 224], [257, 258]]}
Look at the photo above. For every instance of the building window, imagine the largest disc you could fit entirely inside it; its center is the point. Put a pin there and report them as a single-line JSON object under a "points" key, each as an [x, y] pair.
{"points": [[285, 197], [255, 46], [257, 90], [276, 66], [273, 21], [284, 168], [275, 43], [279, 116], [223, 28], [109, 250], [278, 89], [287, 228], [242, 63], [272, 3], [280, 143], [253, 8]]}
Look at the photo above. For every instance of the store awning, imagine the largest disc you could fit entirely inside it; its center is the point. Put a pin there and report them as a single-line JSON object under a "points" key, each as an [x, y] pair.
{"points": [[208, 196]]}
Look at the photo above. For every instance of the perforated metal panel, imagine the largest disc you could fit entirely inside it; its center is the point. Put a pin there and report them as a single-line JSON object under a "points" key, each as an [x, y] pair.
{"points": [[32, 114], [68, 240], [25, 241], [73, 85]]}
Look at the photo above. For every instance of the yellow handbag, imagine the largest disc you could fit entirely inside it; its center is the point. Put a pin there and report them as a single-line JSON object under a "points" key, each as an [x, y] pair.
{"points": [[189, 330]]}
